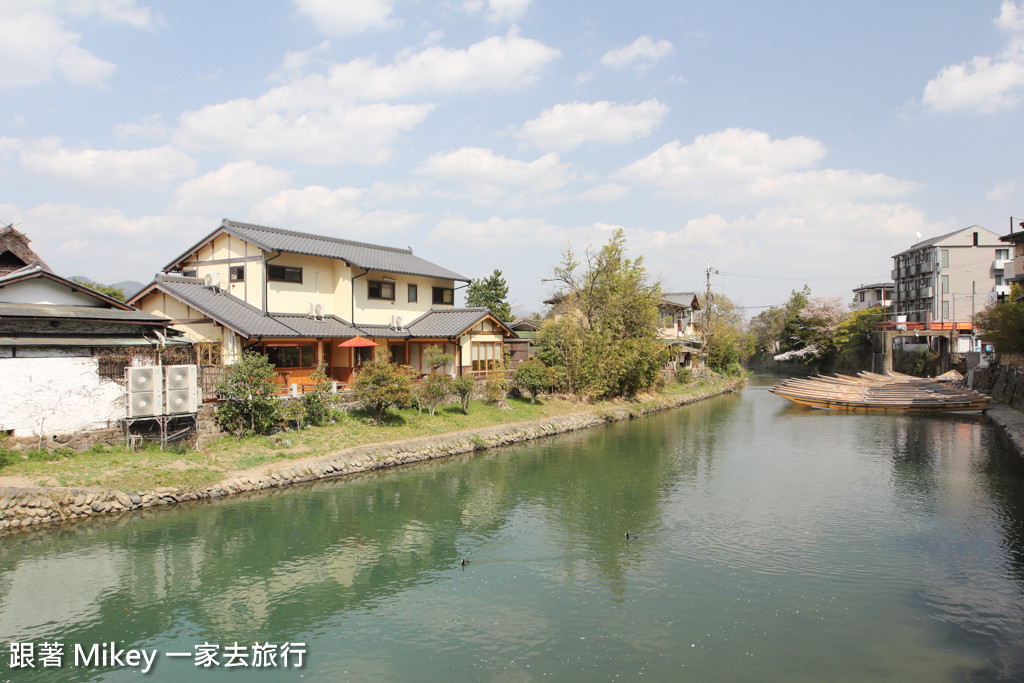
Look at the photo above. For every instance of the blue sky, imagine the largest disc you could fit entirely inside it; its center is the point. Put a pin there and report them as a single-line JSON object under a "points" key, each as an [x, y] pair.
{"points": [[783, 143]]}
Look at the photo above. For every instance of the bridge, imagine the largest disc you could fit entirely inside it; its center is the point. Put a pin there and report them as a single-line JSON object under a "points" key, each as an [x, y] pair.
{"points": [[886, 332]]}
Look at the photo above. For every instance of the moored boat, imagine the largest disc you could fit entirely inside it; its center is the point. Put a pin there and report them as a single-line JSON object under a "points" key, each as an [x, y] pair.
{"points": [[880, 393]]}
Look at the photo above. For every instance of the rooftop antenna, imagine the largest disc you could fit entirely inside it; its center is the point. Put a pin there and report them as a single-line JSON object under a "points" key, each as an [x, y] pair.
{"points": [[918, 237]]}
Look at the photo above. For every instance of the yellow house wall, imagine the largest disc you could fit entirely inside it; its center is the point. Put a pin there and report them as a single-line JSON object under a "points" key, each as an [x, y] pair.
{"points": [[484, 331], [378, 312], [194, 324], [220, 255]]}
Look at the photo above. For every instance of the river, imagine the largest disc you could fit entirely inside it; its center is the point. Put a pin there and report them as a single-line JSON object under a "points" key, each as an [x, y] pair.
{"points": [[774, 543]]}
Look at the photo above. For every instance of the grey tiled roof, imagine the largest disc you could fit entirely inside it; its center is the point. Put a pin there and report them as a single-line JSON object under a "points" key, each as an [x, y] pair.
{"points": [[329, 326], [384, 331], [446, 322], [94, 313], [244, 318], [360, 254], [679, 298]]}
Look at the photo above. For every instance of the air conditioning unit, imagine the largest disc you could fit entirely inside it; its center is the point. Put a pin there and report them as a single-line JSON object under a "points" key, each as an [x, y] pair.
{"points": [[316, 311], [398, 322], [182, 383], [212, 280], [145, 391]]}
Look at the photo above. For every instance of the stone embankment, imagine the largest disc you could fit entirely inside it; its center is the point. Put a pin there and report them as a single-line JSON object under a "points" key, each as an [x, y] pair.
{"points": [[26, 507], [1004, 382]]}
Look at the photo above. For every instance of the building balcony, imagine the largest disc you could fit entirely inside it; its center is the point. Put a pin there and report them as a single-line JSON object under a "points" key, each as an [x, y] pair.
{"points": [[895, 273], [926, 292], [1001, 263], [928, 267]]}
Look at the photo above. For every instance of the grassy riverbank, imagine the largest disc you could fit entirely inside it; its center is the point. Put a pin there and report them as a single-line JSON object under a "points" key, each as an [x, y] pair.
{"points": [[185, 469]]}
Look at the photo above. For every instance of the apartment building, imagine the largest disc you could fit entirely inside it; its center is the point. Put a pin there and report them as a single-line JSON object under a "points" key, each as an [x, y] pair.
{"points": [[874, 295], [950, 277]]}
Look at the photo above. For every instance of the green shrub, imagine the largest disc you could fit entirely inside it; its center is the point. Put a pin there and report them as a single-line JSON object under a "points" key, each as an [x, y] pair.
{"points": [[463, 388], [434, 390], [531, 377], [684, 375], [249, 390], [381, 385], [7, 457], [316, 403]]}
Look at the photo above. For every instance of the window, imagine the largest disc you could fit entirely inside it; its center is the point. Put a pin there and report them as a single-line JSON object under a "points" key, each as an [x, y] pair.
{"points": [[862, 296], [189, 272], [975, 239], [999, 279], [284, 274], [484, 356], [292, 355], [945, 258], [945, 284], [414, 294], [378, 289], [444, 295], [362, 354], [236, 273], [1002, 253], [945, 310]]}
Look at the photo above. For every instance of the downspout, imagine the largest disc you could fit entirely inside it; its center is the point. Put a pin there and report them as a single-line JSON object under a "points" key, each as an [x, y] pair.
{"points": [[266, 279], [352, 316]]}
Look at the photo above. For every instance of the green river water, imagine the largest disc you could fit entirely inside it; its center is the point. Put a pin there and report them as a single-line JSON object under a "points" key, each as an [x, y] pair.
{"points": [[775, 544]]}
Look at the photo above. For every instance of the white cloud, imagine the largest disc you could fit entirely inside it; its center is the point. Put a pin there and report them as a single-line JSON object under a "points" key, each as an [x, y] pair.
{"points": [[315, 118], [346, 17], [1011, 17], [36, 44], [608, 192], [741, 165], [151, 128], [984, 84], [495, 63], [268, 128], [235, 183], [102, 242], [642, 52], [115, 11], [497, 10], [1004, 190], [498, 233], [481, 175], [335, 212], [565, 126], [300, 61], [110, 168]]}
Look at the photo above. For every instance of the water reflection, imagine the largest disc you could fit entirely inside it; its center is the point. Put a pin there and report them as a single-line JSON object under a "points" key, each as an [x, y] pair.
{"points": [[888, 547]]}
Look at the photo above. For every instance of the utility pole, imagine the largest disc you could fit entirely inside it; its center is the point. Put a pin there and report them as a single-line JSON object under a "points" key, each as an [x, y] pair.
{"points": [[706, 337]]}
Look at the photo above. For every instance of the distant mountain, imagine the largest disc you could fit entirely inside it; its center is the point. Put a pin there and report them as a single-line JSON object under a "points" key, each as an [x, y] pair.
{"points": [[129, 287]]}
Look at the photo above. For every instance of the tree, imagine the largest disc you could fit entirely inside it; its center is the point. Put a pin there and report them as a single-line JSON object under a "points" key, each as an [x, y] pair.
{"points": [[434, 390], [822, 316], [491, 293], [1002, 324], [316, 403], [463, 388], [531, 377], [381, 385], [249, 392], [113, 292], [727, 343], [606, 337]]}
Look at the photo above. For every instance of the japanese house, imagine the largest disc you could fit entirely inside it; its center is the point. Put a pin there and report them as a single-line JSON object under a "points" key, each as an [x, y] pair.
{"points": [[298, 297]]}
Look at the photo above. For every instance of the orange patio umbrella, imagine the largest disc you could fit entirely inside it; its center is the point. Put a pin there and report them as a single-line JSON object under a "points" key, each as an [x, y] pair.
{"points": [[355, 342]]}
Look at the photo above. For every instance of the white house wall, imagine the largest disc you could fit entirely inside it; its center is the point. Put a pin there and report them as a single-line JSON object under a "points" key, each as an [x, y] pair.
{"points": [[56, 395], [43, 291]]}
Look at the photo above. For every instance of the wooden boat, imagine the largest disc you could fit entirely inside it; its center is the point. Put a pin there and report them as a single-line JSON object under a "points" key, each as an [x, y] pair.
{"points": [[870, 392]]}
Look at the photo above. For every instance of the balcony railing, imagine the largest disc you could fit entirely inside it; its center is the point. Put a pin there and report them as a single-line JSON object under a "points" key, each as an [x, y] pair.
{"points": [[1001, 263]]}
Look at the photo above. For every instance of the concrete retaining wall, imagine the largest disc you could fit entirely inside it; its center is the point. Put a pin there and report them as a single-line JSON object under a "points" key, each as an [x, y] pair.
{"points": [[28, 507]]}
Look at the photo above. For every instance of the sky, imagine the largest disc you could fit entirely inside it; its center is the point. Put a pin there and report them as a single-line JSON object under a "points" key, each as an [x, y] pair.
{"points": [[781, 144]]}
